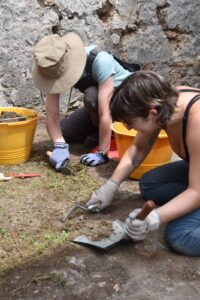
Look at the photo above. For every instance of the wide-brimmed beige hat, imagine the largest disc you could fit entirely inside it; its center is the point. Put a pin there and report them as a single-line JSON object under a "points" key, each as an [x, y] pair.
{"points": [[59, 62]]}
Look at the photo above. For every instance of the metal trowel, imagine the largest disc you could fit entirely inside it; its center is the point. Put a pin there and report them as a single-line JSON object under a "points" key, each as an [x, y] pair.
{"points": [[118, 234], [70, 212]]}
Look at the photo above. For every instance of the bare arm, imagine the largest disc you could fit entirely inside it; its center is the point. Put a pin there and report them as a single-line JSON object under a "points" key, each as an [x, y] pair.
{"points": [[52, 118], [189, 200], [104, 95], [134, 155], [132, 158]]}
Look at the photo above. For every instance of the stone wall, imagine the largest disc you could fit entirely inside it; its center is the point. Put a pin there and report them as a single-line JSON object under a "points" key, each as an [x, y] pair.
{"points": [[162, 35]]}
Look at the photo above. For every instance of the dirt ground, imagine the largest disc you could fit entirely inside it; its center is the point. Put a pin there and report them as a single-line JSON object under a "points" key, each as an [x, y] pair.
{"points": [[39, 261]]}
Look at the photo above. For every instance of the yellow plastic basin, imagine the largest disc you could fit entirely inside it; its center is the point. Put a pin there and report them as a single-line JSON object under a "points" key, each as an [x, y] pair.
{"points": [[160, 154], [16, 138]]}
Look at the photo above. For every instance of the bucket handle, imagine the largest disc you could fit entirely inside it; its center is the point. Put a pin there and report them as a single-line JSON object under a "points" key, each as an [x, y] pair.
{"points": [[16, 119], [17, 123]]}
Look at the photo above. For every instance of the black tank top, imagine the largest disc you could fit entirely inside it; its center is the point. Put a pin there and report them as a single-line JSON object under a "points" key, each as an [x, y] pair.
{"points": [[185, 119]]}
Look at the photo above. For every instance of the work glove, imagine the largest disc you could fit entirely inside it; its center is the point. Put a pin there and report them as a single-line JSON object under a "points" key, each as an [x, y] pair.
{"points": [[60, 155], [103, 197], [94, 159], [137, 229]]}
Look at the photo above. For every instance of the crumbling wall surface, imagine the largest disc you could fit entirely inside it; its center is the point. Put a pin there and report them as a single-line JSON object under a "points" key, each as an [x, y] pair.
{"points": [[163, 35]]}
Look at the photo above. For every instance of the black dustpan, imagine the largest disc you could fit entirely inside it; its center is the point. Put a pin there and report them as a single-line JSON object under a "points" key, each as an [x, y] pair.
{"points": [[118, 234]]}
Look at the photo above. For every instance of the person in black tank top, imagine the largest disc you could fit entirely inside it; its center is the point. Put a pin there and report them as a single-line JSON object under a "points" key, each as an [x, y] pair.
{"points": [[148, 103], [185, 118]]}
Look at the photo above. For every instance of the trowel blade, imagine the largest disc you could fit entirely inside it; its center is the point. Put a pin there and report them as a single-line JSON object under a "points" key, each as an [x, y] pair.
{"points": [[105, 244]]}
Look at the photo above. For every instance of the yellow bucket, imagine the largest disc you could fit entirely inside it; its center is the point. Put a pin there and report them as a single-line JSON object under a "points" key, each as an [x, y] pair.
{"points": [[160, 154], [16, 138]]}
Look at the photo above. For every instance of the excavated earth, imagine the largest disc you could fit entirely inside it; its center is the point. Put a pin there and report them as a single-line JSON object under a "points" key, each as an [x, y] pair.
{"points": [[147, 270]]}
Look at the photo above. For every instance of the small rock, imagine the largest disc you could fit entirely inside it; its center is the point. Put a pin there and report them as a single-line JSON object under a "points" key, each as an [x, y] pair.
{"points": [[49, 2], [116, 287], [115, 39], [101, 284]]}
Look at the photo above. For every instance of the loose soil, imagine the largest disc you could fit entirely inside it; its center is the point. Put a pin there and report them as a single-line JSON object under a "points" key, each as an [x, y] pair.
{"points": [[10, 116], [38, 259]]}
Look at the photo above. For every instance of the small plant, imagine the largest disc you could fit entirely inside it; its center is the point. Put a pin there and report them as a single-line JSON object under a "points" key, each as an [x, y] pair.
{"points": [[4, 231], [22, 235], [50, 239], [40, 279], [63, 280], [39, 247]]}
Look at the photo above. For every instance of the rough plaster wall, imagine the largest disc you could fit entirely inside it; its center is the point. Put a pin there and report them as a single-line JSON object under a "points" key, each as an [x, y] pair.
{"points": [[162, 35]]}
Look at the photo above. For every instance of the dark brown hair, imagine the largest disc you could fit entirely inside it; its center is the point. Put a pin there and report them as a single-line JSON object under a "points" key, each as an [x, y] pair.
{"points": [[134, 97]]}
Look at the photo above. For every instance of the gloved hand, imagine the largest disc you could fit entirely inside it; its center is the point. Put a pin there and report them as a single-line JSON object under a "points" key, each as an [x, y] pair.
{"points": [[137, 229], [94, 159], [103, 197], [60, 155]]}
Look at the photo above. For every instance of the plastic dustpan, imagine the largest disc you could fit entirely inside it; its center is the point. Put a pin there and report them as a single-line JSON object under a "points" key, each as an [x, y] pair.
{"points": [[118, 235]]}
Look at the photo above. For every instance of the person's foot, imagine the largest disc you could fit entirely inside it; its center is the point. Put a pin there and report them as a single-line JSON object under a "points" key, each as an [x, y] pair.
{"points": [[92, 140]]}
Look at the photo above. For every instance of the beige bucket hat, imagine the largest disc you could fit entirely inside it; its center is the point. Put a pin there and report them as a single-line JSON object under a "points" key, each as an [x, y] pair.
{"points": [[58, 62]]}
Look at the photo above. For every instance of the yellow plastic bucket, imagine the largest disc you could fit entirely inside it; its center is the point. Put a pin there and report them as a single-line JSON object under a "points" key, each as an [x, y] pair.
{"points": [[160, 154], [16, 138]]}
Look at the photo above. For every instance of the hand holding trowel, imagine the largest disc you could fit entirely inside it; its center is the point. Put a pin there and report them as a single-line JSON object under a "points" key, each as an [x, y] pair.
{"points": [[118, 234], [59, 159]]}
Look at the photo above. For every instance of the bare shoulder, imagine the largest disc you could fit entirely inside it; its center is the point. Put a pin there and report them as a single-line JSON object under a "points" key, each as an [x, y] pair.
{"points": [[193, 139], [182, 87], [195, 113], [193, 127]]}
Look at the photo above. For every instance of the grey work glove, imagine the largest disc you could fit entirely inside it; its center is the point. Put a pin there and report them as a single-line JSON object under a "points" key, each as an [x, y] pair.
{"points": [[137, 229], [103, 197], [60, 155]]}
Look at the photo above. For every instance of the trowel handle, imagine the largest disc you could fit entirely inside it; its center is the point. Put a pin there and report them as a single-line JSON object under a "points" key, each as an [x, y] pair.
{"points": [[48, 153], [146, 209]]}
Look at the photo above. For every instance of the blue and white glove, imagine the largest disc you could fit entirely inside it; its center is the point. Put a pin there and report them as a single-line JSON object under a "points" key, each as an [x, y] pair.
{"points": [[94, 159], [60, 155], [137, 229]]}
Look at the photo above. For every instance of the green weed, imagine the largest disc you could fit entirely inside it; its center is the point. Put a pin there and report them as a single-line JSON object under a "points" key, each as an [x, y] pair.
{"points": [[4, 231]]}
